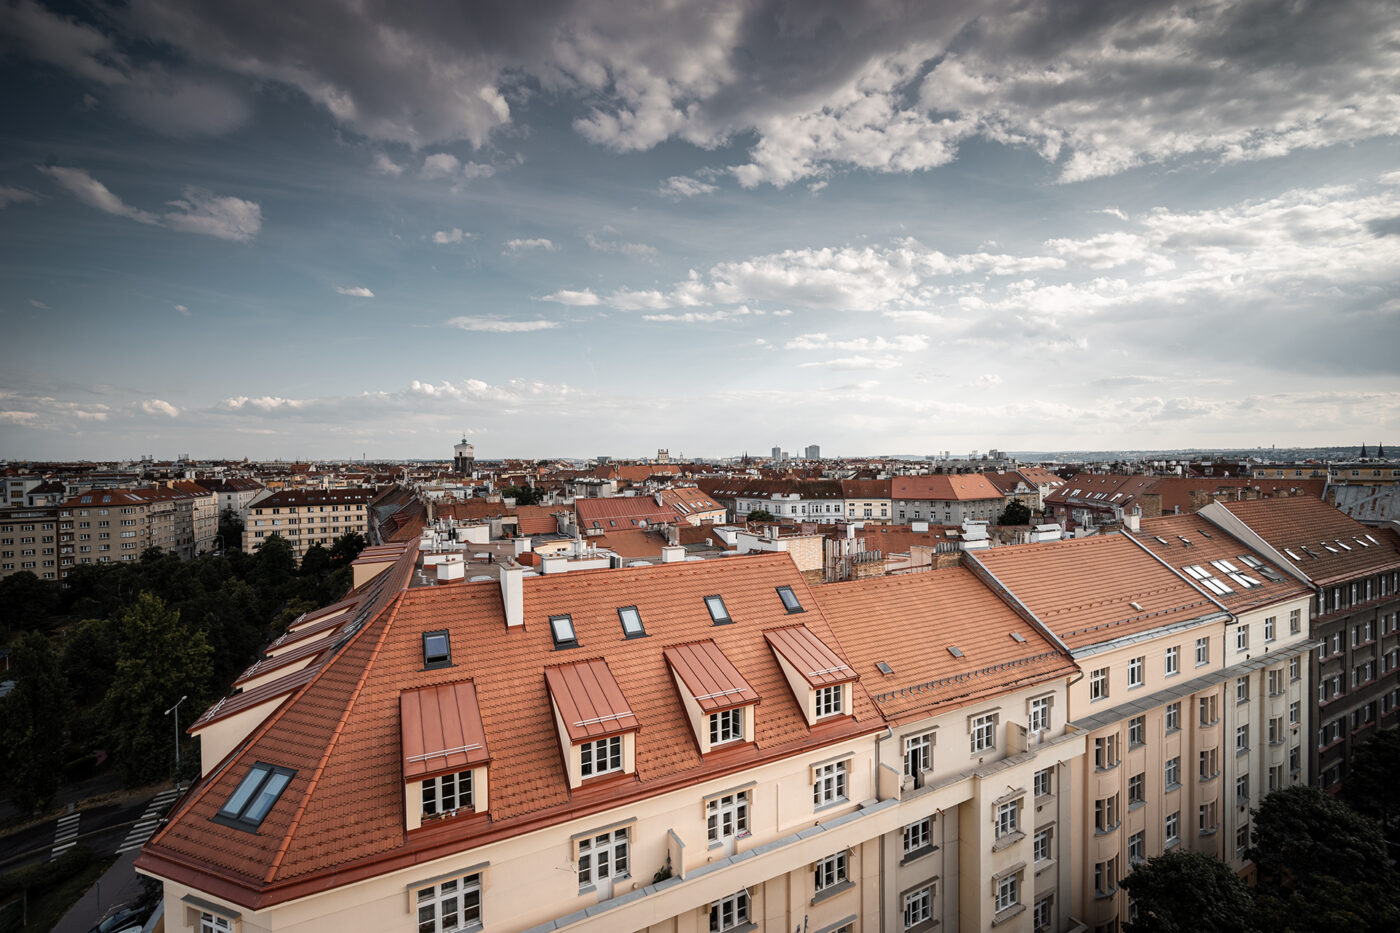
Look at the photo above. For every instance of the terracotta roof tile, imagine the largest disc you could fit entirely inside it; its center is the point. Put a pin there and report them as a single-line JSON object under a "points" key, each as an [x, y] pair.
{"points": [[961, 487], [1209, 543], [1327, 545]]}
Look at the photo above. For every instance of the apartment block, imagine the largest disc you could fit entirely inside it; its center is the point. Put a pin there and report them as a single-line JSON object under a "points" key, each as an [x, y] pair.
{"points": [[304, 517], [29, 542], [105, 526], [947, 499], [867, 500]]}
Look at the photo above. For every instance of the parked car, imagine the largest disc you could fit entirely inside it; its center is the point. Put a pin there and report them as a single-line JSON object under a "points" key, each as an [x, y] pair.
{"points": [[124, 919]]}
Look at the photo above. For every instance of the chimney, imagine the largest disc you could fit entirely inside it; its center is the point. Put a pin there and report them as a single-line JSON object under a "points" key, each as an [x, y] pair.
{"points": [[1133, 520], [672, 554], [513, 594], [553, 563]]}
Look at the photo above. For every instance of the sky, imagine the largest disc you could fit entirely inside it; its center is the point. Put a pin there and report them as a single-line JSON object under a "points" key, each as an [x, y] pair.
{"points": [[332, 229]]}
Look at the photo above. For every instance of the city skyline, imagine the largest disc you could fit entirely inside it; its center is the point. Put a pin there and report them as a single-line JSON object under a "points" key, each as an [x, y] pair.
{"points": [[239, 232]]}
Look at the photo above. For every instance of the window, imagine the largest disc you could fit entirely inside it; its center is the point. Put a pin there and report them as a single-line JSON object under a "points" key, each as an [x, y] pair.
{"points": [[983, 732], [1172, 717], [830, 700], [1039, 718], [1202, 651], [1242, 788], [829, 784], [1106, 752], [447, 793], [601, 756], [253, 798], [729, 912], [1135, 669], [918, 907], [727, 726], [450, 905], [1106, 814], [211, 923], [918, 754], [1043, 918], [718, 614], [1106, 876], [1295, 711], [1137, 847], [1241, 739], [562, 629], [789, 599], [1207, 818], [1295, 621], [601, 857], [1042, 783], [631, 621], [1173, 662], [1172, 830], [1208, 711], [1137, 789], [1242, 638], [1008, 892], [1008, 818], [1137, 731], [1098, 684], [918, 835], [830, 871], [727, 816], [1270, 628], [1275, 682], [1172, 773], [1208, 767], [1042, 843], [437, 650]]}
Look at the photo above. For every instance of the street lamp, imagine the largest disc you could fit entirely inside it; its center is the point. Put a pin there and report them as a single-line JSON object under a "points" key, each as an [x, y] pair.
{"points": [[176, 710]]}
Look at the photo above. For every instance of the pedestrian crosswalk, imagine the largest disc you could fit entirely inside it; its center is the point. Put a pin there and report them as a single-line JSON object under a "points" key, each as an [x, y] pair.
{"points": [[65, 836], [145, 827]]}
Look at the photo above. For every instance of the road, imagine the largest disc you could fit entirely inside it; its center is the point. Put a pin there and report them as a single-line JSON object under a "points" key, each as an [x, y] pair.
{"points": [[104, 828]]}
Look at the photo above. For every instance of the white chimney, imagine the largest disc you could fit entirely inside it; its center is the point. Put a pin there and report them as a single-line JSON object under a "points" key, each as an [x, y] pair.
{"points": [[451, 570], [672, 555], [513, 594], [553, 563]]}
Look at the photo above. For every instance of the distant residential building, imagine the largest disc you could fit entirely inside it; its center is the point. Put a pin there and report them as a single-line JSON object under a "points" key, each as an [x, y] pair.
{"points": [[866, 500], [600, 516], [235, 494], [29, 541], [106, 526], [947, 499], [814, 452], [308, 516]]}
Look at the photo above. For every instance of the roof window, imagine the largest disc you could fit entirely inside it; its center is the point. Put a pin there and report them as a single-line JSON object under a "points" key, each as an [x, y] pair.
{"points": [[955, 651], [562, 629], [719, 615], [1136, 605], [883, 668], [437, 650], [1018, 638], [254, 796], [631, 622], [1161, 540], [1290, 553], [789, 599]]}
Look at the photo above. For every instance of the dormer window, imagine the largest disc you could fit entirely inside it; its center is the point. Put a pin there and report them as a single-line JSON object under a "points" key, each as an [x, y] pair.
{"points": [[437, 650], [718, 701], [631, 622], [789, 598], [831, 700], [719, 615], [597, 730], [444, 753], [600, 757], [726, 726], [816, 674], [562, 630], [447, 793]]}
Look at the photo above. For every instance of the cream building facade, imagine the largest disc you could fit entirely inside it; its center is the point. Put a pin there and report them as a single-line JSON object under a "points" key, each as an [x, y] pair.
{"points": [[304, 517]]}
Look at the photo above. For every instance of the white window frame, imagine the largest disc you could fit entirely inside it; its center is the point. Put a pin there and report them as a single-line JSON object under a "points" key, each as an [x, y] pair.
{"points": [[727, 816], [1041, 844], [611, 851], [918, 753], [726, 726], [1038, 715], [918, 906], [831, 871], [982, 732], [1043, 782], [1098, 684], [829, 784], [607, 750], [1008, 892], [213, 923], [448, 793], [434, 897], [1202, 651], [1137, 671], [830, 700], [1172, 664], [918, 835], [1008, 818], [730, 912]]}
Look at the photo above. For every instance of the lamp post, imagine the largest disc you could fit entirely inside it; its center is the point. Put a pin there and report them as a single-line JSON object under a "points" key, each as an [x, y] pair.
{"points": [[176, 710]]}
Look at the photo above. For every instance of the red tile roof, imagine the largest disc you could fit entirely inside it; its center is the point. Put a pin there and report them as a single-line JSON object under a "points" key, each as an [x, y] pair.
{"points": [[441, 730], [1209, 543], [537, 519], [1330, 545], [589, 700], [622, 512], [961, 487]]}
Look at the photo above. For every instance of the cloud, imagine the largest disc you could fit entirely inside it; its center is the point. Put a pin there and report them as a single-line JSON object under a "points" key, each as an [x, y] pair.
{"points": [[183, 310], [683, 186], [183, 105], [383, 165], [447, 237], [36, 303], [9, 195], [155, 406], [354, 291], [446, 165], [496, 326], [516, 246], [901, 344], [855, 363], [579, 299], [640, 250], [199, 211], [987, 381]]}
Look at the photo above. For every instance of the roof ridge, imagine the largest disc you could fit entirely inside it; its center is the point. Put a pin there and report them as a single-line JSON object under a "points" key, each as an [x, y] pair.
{"points": [[295, 824]]}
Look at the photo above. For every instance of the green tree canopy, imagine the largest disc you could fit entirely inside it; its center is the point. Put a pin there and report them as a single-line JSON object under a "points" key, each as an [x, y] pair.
{"points": [[1016, 513], [26, 603], [88, 651], [34, 722], [346, 549], [230, 530], [1375, 764], [523, 495], [1188, 892], [761, 515]]}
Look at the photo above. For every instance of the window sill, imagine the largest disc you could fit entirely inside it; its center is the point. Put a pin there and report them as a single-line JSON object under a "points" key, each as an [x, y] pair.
{"points": [[831, 804], [741, 928], [1241, 751], [1098, 770], [1004, 915], [832, 891], [1136, 805], [1171, 844], [1104, 895], [1107, 830], [1043, 864], [916, 854], [1009, 839]]}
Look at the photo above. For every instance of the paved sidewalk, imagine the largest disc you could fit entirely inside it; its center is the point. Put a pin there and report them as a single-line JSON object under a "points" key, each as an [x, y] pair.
{"points": [[118, 885]]}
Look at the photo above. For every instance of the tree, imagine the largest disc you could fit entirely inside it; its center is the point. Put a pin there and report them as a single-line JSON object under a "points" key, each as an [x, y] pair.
{"points": [[1375, 764], [34, 722], [26, 602], [159, 660], [231, 530], [274, 563], [88, 651], [316, 562], [346, 549], [1182, 891], [1322, 866], [761, 515], [1016, 513], [523, 495]]}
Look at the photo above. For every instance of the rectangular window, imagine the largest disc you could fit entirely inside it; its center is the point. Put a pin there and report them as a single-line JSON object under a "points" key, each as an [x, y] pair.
{"points": [[918, 835], [602, 857], [727, 816], [1043, 919], [1275, 682], [789, 599], [1172, 717], [255, 795], [830, 700], [1270, 628], [212, 923], [1137, 731], [437, 650], [631, 621], [1039, 718], [983, 734], [1172, 773], [1098, 684], [1041, 845], [1137, 789], [1173, 662], [1241, 739], [1008, 892], [1008, 818], [1135, 671], [918, 907], [447, 793], [729, 912], [1208, 767], [1202, 651], [600, 757], [450, 905], [1242, 638], [727, 726], [1208, 711], [918, 754], [1106, 814], [1295, 621], [830, 871], [1042, 783], [1207, 818], [1137, 847], [562, 630], [1242, 788], [829, 784], [1295, 711], [1172, 829], [1106, 752]]}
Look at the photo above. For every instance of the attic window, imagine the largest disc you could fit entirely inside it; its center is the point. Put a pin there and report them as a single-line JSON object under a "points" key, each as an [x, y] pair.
{"points": [[631, 622], [883, 668], [719, 615], [1161, 540], [562, 629], [1205, 534], [437, 650], [789, 599], [1249, 560], [1290, 553], [1018, 638], [254, 797], [955, 651], [1185, 540]]}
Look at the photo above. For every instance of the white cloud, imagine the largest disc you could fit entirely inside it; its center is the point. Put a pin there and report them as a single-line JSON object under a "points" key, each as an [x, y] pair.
{"points": [[579, 299], [900, 344], [440, 165], [987, 381], [447, 237], [640, 250], [95, 194], [516, 246], [855, 363], [183, 310], [155, 406], [200, 211], [36, 303], [383, 165], [496, 326], [354, 291], [9, 195], [683, 186]]}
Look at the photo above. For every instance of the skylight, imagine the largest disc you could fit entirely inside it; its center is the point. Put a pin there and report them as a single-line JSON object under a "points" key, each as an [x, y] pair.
{"points": [[719, 615], [1372, 540], [883, 668], [1359, 541], [955, 651], [437, 650], [253, 798], [631, 622], [1161, 540], [1185, 540], [1224, 565], [1136, 605], [562, 629], [1018, 637], [1206, 579], [1290, 553], [1342, 544], [1249, 560], [789, 599]]}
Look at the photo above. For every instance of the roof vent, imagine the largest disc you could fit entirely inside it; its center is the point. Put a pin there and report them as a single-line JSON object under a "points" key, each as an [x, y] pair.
{"points": [[955, 651], [1136, 606], [1018, 637]]}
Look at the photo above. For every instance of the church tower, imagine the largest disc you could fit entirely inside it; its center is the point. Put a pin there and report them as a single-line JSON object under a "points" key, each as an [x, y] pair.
{"points": [[463, 458]]}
